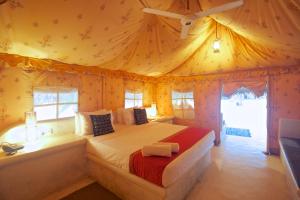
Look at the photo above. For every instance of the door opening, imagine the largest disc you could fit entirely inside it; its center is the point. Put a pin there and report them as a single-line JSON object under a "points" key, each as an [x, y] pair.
{"points": [[245, 116]]}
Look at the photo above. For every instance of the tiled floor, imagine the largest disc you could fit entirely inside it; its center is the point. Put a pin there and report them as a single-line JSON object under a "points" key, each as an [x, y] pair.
{"points": [[240, 171]]}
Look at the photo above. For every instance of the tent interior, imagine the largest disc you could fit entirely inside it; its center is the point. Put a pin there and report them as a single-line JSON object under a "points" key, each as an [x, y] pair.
{"points": [[59, 58]]}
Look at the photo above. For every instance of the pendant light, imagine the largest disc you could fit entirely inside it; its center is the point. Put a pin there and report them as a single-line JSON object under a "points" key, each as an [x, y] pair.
{"points": [[217, 41]]}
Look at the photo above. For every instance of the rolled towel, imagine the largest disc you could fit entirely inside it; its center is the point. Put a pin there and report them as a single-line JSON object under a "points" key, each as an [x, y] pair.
{"points": [[157, 150], [174, 146]]}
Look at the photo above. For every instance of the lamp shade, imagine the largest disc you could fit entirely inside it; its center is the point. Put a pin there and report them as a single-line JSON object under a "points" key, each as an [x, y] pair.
{"points": [[30, 118], [151, 111], [216, 46], [31, 128]]}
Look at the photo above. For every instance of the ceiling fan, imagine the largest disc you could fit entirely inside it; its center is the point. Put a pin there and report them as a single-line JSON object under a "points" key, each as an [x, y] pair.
{"points": [[187, 20]]}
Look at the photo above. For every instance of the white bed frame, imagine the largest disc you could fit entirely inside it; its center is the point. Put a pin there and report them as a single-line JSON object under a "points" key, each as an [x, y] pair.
{"points": [[130, 187]]}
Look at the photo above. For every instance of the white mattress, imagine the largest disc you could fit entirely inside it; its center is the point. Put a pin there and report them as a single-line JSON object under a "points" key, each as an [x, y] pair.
{"points": [[117, 147]]}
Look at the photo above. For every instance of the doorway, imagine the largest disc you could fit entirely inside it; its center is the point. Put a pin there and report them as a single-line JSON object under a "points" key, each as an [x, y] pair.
{"points": [[245, 117]]}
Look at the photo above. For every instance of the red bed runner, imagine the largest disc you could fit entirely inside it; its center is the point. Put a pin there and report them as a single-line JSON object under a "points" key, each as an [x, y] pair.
{"points": [[151, 167]]}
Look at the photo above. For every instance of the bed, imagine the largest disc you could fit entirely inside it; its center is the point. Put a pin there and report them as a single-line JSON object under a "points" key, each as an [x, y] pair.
{"points": [[109, 161]]}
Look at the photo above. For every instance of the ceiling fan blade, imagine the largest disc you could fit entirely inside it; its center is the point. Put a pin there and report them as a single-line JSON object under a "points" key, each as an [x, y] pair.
{"points": [[218, 9], [184, 31], [163, 13]]}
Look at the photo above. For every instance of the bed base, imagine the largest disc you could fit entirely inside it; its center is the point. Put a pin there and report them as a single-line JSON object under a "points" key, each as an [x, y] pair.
{"points": [[131, 187]]}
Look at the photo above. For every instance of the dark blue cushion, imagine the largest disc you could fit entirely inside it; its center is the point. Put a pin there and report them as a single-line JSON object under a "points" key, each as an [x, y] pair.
{"points": [[291, 147], [102, 124], [140, 116]]}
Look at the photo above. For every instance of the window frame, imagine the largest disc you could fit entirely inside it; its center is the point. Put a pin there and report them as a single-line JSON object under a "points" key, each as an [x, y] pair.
{"points": [[182, 109], [134, 99], [57, 91]]}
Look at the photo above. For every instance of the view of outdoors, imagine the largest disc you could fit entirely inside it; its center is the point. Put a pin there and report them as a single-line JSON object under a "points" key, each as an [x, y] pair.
{"points": [[244, 111], [183, 104], [55, 103], [133, 99]]}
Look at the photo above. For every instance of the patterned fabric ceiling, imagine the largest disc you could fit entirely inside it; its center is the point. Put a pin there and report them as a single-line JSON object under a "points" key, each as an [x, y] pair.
{"points": [[117, 35]]}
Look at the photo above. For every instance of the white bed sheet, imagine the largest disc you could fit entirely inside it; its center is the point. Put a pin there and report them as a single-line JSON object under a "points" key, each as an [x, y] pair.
{"points": [[117, 147]]}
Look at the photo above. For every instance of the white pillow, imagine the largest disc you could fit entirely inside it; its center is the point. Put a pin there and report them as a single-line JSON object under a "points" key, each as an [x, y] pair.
{"points": [[114, 117], [120, 115], [77, 124], [128, 116], [83, 122]]}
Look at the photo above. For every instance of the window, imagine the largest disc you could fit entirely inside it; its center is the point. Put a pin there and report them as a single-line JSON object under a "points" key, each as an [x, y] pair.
{"points": [[183, 104], [133, 99], [55, 103]]}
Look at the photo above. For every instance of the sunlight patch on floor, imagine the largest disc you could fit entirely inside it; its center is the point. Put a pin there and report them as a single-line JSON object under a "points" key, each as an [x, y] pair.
{"points": [[241, 171]]}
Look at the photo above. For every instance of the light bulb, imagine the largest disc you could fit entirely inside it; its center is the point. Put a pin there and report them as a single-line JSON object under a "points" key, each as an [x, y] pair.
{"points": [[216, 46]]}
